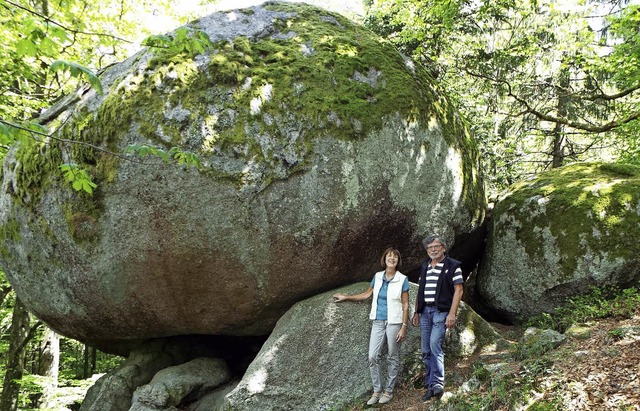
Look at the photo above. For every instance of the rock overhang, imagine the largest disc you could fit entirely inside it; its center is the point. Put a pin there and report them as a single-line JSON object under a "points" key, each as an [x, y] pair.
{"points": [[327, 101]]}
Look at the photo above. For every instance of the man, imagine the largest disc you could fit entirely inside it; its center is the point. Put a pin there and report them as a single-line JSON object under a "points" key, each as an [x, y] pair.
{"points": [[439, 293]]}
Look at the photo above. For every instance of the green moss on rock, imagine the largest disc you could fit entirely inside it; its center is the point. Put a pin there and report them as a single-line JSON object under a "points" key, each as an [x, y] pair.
{"points": [[585, 208], [37, 167], [9, 232], [318, 75]]}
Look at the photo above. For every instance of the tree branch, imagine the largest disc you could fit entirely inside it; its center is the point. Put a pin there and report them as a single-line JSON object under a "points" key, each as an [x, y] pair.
{"points": [[83, 143], [30, 335], [49, 20], [564, 121], [610, 97]]}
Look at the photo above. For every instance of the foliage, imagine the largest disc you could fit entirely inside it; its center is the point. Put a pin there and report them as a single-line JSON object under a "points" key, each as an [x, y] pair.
{"points": [[174, 154], [32, 387], [506, 389], [183, 41], [48, 44], [79, 178], [72, 361], [76, 70], [537, 80], [600, 302], [37, 34]]}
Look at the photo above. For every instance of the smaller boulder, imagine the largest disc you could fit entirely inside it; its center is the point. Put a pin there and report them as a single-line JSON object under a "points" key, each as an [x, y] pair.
{"points": [[113, 391], [179, 384], [536, 342], [215, 400], [556, 235], [471, 334], [578, 331], [316, 357]]}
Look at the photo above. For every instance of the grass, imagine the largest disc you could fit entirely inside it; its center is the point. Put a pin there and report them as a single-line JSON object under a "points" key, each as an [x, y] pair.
{"points": [[599, 303]]}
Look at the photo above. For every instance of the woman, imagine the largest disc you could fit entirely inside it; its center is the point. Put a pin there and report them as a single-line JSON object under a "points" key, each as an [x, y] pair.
{"points": [[390, 315]]}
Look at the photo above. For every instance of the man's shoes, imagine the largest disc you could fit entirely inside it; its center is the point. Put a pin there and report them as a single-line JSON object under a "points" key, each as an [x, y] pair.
{"points": [[435, 392], [374, 398], [386, 397], [427, 395], [438, 391]]}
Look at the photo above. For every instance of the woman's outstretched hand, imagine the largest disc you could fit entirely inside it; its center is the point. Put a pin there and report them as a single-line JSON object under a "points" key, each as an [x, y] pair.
{"points": [[339, 297]]}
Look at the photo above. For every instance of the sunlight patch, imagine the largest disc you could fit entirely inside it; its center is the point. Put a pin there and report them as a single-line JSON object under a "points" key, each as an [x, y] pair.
{"points": [[454, 163], [257, 381], [264, 97]]}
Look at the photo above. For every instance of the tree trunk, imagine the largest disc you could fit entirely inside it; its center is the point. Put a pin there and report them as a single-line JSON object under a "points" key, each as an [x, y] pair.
{"points": [[49, 364], [93, 361], [558, 135], [85, 369], [19, 334]]}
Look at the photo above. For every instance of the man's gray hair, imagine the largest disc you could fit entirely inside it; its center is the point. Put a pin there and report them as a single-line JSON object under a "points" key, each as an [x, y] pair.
{"points": [[430, 239]]}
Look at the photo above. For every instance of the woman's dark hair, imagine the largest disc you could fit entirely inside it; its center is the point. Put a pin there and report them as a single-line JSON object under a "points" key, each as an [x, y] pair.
{"points": [[395, 251]]}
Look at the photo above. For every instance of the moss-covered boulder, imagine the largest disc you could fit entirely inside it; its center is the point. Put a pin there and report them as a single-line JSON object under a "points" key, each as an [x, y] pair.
{"points": [[319, 146], [559, 233]]}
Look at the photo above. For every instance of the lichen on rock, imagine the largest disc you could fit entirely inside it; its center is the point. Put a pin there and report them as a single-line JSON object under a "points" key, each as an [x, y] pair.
{"points": [[320, 145], [559, 233]]}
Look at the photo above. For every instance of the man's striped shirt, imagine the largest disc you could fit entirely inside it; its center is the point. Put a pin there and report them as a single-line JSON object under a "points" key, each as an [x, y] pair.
{"points": [[432, 274]]}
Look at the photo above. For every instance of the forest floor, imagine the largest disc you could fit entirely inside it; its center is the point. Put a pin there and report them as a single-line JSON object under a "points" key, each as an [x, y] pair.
{"points": [[598, 369]]}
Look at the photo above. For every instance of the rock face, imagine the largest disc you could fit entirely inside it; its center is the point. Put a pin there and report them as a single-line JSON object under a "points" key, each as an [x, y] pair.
{"points": [[316, 357], [554, 236], [318, 144]]}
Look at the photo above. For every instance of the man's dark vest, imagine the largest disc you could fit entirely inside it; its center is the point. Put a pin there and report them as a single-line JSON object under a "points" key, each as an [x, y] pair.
{"points": [[444, 289]]}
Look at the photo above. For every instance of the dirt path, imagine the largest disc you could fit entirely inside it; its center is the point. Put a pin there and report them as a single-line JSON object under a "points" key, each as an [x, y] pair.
{"points": [[596, 370]]}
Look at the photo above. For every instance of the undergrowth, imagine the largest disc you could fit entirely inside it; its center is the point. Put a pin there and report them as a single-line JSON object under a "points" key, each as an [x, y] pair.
{"points": [[600, 302]]}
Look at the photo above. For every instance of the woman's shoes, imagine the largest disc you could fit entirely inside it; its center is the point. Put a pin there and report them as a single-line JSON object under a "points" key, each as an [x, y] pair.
{"points": [[374, 398], [380, 399], [386, 397]]}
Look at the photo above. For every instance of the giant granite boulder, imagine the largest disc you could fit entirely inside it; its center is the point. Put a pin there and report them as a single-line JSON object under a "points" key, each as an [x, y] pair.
{"points": [[559, 233], [316, 357], [318, 146]]}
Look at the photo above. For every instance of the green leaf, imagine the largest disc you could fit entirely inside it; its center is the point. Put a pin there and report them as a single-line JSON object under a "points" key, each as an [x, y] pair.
{"points": [[88, 186], [80, 179], [77, 70], [26, 47], [77, 185], [160, 40], [48, 47], [6, 135], [58, 33]]}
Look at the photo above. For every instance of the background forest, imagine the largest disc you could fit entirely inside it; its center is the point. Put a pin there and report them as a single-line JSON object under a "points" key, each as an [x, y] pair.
{"points": [[540, 83]]}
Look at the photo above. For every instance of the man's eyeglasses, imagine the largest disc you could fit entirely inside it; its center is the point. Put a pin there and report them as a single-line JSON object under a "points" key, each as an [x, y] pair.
{"points": [[434, 247]]}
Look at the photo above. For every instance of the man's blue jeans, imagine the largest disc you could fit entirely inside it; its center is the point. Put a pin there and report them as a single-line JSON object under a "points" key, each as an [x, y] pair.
{"points": [[433, 328]]}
